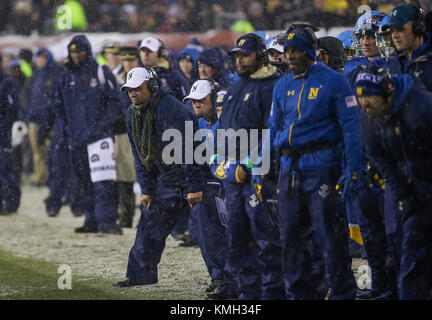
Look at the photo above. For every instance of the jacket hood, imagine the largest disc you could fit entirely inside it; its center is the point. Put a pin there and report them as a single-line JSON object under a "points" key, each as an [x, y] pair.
{"points": [[213, 57], [402, 84], [80, 42], [336, 52], [50, 60]]}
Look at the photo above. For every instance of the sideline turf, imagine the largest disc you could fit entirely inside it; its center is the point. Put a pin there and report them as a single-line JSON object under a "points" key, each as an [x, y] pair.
{"points": [[31, 279]]}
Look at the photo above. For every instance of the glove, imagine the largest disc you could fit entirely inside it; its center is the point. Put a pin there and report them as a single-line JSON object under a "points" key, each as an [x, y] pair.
{"points": [[349, 182], [256, 185], [233, 173], [376, 183]]}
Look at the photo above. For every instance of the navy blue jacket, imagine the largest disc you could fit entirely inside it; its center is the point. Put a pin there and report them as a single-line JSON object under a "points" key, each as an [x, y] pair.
{"points": [[314, 108], [9, 107], [247, 103], [401, 147], [85, 107], [164, 179], [419, 64], [208, 127], [41, 90]]}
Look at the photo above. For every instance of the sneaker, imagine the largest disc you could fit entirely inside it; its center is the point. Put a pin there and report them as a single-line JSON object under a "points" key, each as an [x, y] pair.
{"points": [[132, 283], [86, 229], [369, 295], [113, 230], [216, 285], [388, 295]]}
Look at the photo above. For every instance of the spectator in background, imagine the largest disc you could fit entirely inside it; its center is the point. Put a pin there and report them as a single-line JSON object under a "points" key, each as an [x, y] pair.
{"points": [[9, 175], [255, 13], [40, 97], [21, 18], [125, 165]]}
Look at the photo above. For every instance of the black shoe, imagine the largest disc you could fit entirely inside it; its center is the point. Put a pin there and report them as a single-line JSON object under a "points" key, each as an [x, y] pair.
{"points": [[125, 224], [53, 213], [132, 283], [113, 230], [6, 212], [216, 285], [188, 244], [86, 229], [76, 210]]}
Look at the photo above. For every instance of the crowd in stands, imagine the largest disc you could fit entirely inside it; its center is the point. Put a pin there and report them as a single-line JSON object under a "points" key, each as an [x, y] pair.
{"points": [[26, 17]]}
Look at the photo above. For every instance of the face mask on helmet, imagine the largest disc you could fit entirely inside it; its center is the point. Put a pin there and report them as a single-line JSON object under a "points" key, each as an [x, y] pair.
{"points": [[368, 24]]}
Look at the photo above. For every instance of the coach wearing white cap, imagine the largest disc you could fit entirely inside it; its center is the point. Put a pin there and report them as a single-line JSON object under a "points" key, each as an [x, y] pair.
{"points": [[152, 54], [165, 185]]}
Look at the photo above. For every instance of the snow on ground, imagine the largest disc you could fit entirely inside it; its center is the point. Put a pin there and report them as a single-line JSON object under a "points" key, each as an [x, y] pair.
{"points": [[31, 233]]}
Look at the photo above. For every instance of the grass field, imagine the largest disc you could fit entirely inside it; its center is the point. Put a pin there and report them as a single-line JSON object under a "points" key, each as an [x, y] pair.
{"points": [[33, 246], [25, 278]]}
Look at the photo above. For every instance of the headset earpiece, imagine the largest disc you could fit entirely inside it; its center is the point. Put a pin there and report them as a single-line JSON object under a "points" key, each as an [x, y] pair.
{"points": [[161, 48], [387, 86], [419, 24], [215, 88], [153, 83], [261, 53]]}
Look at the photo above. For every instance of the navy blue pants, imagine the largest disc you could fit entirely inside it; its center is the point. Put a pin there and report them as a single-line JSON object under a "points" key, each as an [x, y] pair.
{"points": [[98, 200], [62, 183], [370, 216], [415, 274], [154, 227], [254, 243], [10, 192], [312, 216], [393, 230], [211, 234]]}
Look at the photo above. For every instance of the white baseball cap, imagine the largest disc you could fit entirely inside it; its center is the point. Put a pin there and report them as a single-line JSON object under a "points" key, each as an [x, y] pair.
{"points": [[200, 89], [276, 46], [136, 77], [151, 43]]}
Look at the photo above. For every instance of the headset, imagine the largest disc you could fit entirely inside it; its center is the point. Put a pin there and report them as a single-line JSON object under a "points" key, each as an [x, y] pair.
{"points": [[261, 52], [153, 83], [161, 51], [419, 24], [386, 84], [215, 88]]}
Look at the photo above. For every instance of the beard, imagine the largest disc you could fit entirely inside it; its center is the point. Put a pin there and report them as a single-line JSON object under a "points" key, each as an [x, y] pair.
{"points": [[245, 71]]}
